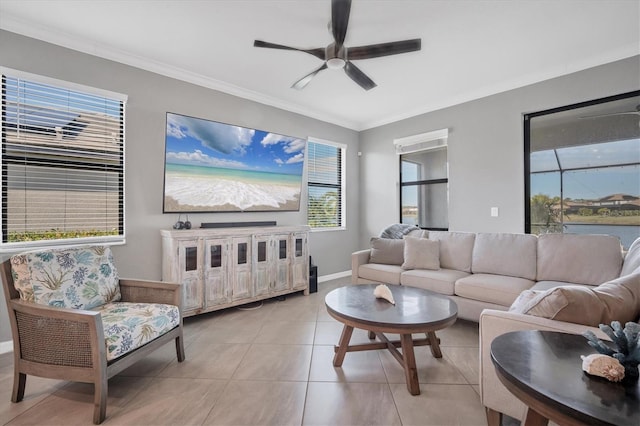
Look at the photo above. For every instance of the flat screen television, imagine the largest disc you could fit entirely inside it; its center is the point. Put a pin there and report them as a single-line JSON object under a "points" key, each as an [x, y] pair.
{"points": [[218, 167]]}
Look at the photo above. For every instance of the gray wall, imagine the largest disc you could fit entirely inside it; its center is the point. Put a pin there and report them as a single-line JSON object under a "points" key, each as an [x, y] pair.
{"points": [[150, 97], [486, 150]]}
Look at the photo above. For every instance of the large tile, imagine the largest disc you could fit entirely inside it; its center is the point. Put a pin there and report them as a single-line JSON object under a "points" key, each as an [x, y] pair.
{"points": [[227, 333], [275, 362], [461, 333], [36, 390], [155, 362], [466, 360], [293, 312], [439, 405], [287, 333], [208, 361], [73, 403], [259, 403], [349, 404], [169, 401], [356, 367]]}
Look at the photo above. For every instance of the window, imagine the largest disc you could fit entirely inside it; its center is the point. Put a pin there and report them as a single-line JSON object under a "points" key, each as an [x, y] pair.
{"points": [[424, 182], [62, 163], [582, 165], [325, 165]]}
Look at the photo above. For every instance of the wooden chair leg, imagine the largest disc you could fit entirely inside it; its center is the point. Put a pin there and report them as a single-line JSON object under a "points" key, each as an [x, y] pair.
{"points": [[494, 418], [180, 348], [19, 383], [100, 401]]}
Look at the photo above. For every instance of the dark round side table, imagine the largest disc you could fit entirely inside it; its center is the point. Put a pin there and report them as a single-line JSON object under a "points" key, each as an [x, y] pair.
{"points": [[544, 370]]}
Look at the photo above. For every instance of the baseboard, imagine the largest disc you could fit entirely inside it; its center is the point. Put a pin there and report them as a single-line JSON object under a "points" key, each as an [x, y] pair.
{"points": [[323, 278], [6, 347]]}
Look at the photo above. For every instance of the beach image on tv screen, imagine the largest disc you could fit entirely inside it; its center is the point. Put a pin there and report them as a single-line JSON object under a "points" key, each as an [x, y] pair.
{"points": [[217, 167]]}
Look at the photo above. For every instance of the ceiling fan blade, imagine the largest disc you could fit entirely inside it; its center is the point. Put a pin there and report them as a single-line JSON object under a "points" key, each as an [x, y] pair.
{"points": [[358, 76], [384, 49], [301, 84], [340, 10], [318, 53]]}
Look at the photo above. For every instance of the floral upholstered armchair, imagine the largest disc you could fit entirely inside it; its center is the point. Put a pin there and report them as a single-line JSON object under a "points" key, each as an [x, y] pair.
{"points": [[72, 318]]}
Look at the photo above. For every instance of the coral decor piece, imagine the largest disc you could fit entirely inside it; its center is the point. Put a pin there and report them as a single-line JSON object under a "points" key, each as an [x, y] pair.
{"points": [[603, 366], [382, 292], [626, 346]]}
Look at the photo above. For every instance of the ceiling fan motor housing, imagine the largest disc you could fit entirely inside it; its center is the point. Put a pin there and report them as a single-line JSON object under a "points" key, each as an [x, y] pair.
{"points": [[336, 57]]}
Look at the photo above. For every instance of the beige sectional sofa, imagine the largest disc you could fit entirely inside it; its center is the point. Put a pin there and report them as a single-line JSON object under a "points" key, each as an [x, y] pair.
{"points": [[555, 280], [489, 270]]}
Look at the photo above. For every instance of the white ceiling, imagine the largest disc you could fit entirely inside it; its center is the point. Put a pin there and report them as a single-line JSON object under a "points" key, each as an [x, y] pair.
{"points": [[470, 48]]}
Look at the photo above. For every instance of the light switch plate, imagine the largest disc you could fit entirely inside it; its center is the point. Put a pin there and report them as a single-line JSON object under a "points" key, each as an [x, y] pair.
{"points": [[494, 212]]}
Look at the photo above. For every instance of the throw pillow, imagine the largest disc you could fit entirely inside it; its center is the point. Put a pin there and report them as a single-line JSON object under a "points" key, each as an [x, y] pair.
{"points": [[421, 253], [387, 251], [616, 300]]}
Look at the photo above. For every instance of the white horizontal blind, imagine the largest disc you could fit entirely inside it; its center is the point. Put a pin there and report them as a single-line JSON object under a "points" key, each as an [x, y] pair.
{"points": [[62, 164], [325, 175]]}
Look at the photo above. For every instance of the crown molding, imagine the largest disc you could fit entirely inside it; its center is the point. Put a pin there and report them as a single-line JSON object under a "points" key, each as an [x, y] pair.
{"points": [[560, 70], [46, 34]]}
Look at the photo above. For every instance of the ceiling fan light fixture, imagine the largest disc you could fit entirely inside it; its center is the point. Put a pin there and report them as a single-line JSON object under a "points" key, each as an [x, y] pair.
{"points": [[336, 63]]}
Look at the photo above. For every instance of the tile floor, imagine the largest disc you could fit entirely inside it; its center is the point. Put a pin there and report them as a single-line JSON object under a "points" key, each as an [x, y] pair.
{"points": [[267, 366]]}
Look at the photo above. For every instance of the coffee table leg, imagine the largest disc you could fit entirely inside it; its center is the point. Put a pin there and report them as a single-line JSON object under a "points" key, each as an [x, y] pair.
{"points": [[372, 335], [342, 346], [410, 370], [434, 342]]}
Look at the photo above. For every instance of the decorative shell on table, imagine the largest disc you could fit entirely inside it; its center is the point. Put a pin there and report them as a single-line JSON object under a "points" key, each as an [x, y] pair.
{"points": [[603, 366], [382, 292]]}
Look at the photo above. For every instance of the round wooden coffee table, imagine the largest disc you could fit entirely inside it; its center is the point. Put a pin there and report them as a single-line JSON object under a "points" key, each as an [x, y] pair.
{"points": [[416, 311]]}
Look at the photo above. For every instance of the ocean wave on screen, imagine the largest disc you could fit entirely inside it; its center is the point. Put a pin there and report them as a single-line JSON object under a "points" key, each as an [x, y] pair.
{"points": [[201, 191]]}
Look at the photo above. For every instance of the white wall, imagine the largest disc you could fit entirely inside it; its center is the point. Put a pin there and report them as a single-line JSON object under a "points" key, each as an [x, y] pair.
{"points": [[150, 97], [486, 150]]}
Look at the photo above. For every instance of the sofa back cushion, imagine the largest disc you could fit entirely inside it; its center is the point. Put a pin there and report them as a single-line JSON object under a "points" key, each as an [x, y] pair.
{"points": [[579, 259], [77, 278], [456, 249], [632, 259], [505, 254], [387, 251]]}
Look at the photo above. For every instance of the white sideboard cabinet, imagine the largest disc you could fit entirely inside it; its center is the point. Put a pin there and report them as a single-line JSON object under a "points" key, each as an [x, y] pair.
{"points": [[223, 267]]}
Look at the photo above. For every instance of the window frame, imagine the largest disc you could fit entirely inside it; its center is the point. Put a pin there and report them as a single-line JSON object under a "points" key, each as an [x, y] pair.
{"points": [[420, 143], [341, 186], [119, 170], [527, 145]]}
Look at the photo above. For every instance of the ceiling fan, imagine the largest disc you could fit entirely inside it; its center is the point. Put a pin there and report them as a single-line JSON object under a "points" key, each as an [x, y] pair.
{"points": [[336, 55]]}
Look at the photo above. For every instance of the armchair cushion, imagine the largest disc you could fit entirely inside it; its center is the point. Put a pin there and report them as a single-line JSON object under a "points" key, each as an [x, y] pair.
{"points": [[77, 278], [128, 326]]}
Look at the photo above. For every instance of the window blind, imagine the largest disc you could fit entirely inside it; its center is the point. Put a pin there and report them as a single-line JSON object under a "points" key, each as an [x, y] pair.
{"points": [[325, 174], [62, 163]]}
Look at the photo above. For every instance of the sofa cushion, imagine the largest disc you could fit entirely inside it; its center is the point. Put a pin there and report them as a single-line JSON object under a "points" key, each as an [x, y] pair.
{"points": [[456, 249], [441, 281], [421, 253], [505, 254], [498, 289], [579, 259], [616, 300], [387, 251], [128, 326], [77, 278], [632, 259], [388, 274]]}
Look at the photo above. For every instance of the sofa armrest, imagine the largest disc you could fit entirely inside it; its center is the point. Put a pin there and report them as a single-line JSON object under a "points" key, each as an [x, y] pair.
{"points": [[493, 323], [57, 336], [143, 291], [358, 258]]}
